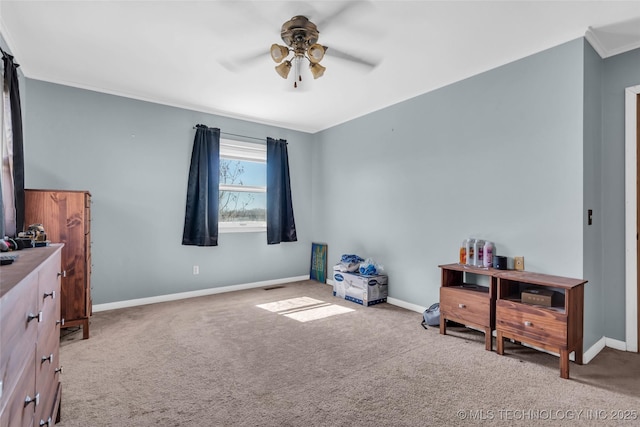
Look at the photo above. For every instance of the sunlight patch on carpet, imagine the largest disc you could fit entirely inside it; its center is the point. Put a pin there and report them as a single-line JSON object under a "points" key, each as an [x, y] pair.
{"points": [[304, 309], [318, 313], [289, 304]]}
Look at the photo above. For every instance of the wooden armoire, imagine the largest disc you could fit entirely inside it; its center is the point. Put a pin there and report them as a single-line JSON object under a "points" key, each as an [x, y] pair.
{"points": [[66, 218]]}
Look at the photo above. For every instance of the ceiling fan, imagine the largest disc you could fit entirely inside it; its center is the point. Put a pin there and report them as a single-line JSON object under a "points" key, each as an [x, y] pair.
{"points": [[301, 38]]}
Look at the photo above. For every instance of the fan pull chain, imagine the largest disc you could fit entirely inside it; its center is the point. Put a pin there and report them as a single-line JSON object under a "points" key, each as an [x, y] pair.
{"points": [[298, 68]]}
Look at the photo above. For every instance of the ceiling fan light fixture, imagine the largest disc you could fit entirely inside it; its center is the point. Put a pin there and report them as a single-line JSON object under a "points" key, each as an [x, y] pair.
{"points": [[317, 70], [316, 53], [278, 52], [283, 69]]}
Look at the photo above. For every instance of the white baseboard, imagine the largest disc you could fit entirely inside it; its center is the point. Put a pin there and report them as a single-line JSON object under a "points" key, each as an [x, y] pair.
{"points": [[616, 344], [397, 302], [193, 294], [600, 345], [593, 351], [406, 305]]}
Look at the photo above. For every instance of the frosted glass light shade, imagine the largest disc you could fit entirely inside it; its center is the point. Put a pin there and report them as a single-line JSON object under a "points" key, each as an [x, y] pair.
{"points": [[283, 69], [316, 53], [278, 52], [317, 70]]}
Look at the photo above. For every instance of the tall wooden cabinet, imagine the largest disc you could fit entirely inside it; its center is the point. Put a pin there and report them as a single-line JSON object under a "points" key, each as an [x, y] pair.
{"points": [[66, 217]]}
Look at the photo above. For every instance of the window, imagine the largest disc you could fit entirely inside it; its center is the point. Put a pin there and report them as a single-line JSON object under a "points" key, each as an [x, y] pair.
{"points": [[243, 187]]}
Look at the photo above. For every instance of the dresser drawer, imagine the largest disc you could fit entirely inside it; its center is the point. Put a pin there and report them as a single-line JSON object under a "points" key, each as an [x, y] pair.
{"points": [[531, 323], [49, 297], [17, 334], [465, 306], [47, 376], [14, 413]]}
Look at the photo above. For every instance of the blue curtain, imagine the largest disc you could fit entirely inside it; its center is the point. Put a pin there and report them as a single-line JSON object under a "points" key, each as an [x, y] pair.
{"points": [[201, 213], [281, 226]]}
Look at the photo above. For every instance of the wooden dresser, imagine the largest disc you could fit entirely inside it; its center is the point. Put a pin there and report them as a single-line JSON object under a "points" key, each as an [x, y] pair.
{"points": [[557, 327], [501, 306], [66, 217], [466, 303], [30, 389]]}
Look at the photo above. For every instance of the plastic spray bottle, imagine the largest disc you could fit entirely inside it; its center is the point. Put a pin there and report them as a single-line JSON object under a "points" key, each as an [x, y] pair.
{"points": [[463, 252], [470, 254], [487, 256]]}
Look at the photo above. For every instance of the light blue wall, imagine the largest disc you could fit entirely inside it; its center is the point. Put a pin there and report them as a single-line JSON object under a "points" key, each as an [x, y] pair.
{"points": [[592, 248], [497, 156], [513, 155], [619, 72], [133, 157]]}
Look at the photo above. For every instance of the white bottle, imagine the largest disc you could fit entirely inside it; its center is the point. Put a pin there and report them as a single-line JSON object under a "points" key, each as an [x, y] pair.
{"points": [[470, 253], [487, 256], [477, 252]]}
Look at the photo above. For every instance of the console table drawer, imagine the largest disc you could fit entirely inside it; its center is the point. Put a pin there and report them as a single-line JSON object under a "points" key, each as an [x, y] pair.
{"points": [[466, 306], [521, 321]]}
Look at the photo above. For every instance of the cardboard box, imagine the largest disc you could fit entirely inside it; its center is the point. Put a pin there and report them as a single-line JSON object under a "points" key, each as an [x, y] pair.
{"points": [[361, 289], [544, 297]]}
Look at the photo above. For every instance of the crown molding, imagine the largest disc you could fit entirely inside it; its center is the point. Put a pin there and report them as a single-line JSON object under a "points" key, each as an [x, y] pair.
{"points": [[599, 46]]}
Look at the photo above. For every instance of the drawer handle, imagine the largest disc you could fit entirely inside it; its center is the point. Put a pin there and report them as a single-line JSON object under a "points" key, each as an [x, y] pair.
{"points": [[527, 323], [462, 306], [58, 370], [32, 316], [35, 400], [51, 294], [46, 423], [60, 322], [63, 273], [45, 358]]}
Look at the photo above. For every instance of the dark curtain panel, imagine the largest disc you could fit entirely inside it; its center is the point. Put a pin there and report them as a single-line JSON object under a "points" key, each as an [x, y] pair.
{"points": [[11, 85], [201, 214], [281, 226]]}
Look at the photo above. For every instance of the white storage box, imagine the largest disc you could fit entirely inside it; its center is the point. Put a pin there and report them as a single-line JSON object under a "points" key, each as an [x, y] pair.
{"points": [[361, 289]]}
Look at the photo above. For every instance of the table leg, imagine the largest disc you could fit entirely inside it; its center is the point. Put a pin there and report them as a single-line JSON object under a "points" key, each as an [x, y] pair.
{"points": [[488, 339], [564, 364]]}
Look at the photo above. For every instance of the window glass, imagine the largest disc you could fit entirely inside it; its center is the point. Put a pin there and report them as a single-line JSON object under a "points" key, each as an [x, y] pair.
{"points": [[240, 172], [243, 187]]}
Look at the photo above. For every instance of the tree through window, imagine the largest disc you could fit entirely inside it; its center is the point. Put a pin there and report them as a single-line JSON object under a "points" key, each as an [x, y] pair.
{"points": [[243, 188]]}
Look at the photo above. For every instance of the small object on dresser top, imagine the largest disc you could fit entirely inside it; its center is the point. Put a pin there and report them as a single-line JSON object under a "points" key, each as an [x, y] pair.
{"points": [[7, 258]]}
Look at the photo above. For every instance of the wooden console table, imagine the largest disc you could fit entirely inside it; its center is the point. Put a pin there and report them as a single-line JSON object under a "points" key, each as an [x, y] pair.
{"points": [[557, 327], [465, 303]]}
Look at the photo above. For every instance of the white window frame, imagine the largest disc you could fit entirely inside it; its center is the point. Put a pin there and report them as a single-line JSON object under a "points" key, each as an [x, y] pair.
{"points": [[245, 151]]}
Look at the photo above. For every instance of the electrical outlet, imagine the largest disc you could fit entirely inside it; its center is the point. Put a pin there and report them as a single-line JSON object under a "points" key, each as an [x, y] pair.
{"points": [[196, 270]]}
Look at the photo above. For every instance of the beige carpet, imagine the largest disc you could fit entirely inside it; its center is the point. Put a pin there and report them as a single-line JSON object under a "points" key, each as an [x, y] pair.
{"points": [[223, 361]]}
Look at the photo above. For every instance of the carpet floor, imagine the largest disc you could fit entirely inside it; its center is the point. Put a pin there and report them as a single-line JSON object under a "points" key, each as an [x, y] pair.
{"points": [[295, 355]]}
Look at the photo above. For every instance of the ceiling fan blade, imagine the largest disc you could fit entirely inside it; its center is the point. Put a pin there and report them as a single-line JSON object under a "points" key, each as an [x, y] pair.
{"points": [[336, 53], [325, 21], [234, 64]]}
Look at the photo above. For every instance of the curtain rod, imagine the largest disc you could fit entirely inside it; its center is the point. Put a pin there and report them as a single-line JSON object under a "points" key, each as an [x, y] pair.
{"points": [[239, 136], [243, 136]]}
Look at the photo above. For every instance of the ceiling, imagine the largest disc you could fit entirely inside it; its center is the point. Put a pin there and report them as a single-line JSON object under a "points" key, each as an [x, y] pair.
{"points": [[213, 56]]}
